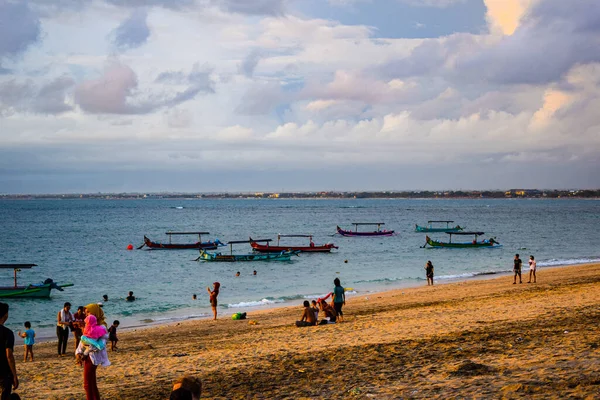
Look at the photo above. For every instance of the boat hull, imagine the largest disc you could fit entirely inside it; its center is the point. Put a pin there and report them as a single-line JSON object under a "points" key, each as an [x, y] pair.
{"points": [[184, 246], [419, 228], [218, 257], [344, 232], [462, 245], [41, 291], [305, 249]]}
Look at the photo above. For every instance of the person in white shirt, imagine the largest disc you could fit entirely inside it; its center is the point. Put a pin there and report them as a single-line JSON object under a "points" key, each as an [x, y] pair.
{"points": [[532, 268]]}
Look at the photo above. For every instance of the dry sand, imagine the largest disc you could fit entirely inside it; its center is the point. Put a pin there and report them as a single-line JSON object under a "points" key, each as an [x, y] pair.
{"points": [[476, 339]]}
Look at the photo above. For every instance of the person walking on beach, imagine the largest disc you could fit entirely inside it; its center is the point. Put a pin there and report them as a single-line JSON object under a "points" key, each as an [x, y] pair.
{"points": [[213, 297], [8, 368], [429, 273], [112, 335], [91, 362], [532, 268], [29, 336], [517, 269], [308, 316], [78, 324], [64, 321], [339, 298]]}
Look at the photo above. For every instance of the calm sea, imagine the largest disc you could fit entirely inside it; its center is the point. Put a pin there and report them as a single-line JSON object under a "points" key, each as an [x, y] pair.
{"points": [[85, 241]]}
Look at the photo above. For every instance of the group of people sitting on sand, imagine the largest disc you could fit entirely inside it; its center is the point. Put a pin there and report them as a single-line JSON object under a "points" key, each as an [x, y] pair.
{"points": [[331, 313]]}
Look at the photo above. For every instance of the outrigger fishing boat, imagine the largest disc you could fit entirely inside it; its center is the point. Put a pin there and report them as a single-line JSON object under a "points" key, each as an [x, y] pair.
{"points": [[281, 256], [355, 232], [487, 243], [311, 248], [36, 290], [210, 245], [430, 228]]}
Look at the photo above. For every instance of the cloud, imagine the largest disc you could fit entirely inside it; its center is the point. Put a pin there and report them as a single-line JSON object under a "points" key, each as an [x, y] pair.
{"points": [[52, 98], [116, 91], [19, 28], [109, 94], [253, 7], [552, 37], [133, 32], [173, 4], [432, 3], [27, 96], [505, 15], [250, 62]]}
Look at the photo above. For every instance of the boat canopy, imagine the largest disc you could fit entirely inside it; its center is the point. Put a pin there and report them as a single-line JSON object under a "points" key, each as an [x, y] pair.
{"points": [[368, 223], [250, 241], [15, 266], [187, 233], [466, 233], [308, 236], [448, 222]]}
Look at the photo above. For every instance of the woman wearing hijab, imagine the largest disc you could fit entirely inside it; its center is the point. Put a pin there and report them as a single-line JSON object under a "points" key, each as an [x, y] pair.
{"points": [[213, 297], [91, 362]]}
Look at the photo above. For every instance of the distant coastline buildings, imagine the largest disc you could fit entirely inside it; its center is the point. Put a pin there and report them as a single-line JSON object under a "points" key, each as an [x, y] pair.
{"points": [[449, 194]]}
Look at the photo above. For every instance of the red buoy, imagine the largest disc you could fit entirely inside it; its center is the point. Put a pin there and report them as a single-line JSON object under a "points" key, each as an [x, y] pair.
{"points": [[129, 246]]}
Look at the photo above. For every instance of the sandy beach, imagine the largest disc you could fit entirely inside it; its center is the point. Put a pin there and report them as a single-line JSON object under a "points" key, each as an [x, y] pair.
{"points": [[471, 339]]}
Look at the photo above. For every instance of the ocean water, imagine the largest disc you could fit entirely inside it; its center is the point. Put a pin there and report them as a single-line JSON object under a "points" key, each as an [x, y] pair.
{"points": [[85, 241]]}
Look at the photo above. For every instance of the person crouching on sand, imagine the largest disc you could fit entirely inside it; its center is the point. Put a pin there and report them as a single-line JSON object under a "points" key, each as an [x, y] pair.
{"points": [[187, 388], [329, 313], [213, 297], [308, 316], [532, 268]]}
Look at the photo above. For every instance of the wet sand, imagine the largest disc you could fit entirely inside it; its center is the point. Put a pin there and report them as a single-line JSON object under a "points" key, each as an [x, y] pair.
{"points": [[472, 339]]}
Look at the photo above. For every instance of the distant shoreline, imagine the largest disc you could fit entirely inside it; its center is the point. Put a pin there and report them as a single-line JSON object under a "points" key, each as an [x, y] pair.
{"points": [[325, 195]]}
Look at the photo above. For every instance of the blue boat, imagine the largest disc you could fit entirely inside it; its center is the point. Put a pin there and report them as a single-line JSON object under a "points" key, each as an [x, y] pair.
{"points": [[430, 228], [219, 257]]}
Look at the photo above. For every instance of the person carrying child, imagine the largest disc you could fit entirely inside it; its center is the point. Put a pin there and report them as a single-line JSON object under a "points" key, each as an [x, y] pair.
{"points": [[112, 335], [29, 336], [92, 349]]}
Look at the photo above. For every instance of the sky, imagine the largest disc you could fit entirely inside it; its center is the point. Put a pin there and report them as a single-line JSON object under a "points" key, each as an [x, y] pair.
{"points": [[298, 95]]}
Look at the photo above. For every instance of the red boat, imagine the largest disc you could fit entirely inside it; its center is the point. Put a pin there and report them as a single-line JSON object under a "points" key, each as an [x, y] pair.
{"points": [[311, 248], [210, 245], [376, 233]]}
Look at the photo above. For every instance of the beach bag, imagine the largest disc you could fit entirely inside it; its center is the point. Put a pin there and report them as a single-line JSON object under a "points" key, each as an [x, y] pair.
{"points": [[238, 315]]}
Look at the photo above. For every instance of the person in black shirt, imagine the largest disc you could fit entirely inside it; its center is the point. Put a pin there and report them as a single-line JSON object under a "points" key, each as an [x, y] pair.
{"points": [[8, 370], [517, 269], [131, 297]]}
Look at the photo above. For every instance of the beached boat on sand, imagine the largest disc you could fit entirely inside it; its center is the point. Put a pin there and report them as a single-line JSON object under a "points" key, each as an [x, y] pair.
{"points": [[430, 228], [210, 245], [488, 243], [36, 290], [311, 248], [375, 233], [281, 256]]}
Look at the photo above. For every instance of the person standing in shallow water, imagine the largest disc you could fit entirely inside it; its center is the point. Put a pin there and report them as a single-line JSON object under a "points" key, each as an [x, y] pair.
{"points": [[213, 297], [517, 269], [429, 273]]}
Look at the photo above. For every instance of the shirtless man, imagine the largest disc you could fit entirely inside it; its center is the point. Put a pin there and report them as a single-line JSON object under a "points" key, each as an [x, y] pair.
{"points": [[308, 316], [329, 313]]}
